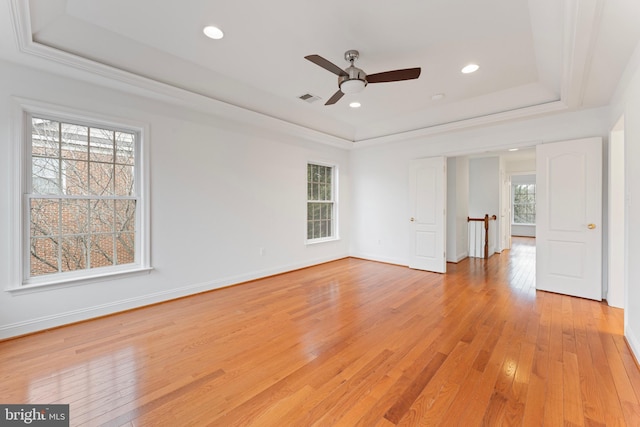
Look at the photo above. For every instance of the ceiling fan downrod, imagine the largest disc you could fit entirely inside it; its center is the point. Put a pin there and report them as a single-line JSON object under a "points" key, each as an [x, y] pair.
{"points": [[356, 80]]}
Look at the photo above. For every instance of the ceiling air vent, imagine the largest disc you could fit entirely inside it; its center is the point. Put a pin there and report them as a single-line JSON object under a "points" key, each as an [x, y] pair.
{"points": [[309, 98]]}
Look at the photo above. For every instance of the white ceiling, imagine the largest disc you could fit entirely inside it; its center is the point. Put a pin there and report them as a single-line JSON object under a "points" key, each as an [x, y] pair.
{"points": [[535, 56]]}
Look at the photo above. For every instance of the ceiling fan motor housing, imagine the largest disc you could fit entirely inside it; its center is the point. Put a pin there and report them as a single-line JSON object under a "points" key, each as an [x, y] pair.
{"points": [[355, 73], [355, 81]]}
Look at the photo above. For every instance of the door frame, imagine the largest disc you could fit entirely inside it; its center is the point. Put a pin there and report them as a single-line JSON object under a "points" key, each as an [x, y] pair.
{"points": [[617, 219]]}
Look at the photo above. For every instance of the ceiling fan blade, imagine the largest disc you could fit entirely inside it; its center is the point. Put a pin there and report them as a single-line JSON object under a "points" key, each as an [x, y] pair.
{"points": [[394, 76], [327, 65], [335, 98]]}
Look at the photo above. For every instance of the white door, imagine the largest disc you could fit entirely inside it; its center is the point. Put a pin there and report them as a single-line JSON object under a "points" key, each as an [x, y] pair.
{"points": [[428, 216], [569, 218]]}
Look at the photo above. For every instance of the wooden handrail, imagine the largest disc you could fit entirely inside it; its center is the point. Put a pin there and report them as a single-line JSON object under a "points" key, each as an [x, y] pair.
{"points": [[486, 220]]}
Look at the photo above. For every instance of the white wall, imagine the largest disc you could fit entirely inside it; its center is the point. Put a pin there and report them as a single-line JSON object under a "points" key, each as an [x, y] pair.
{"points": [[380, 173], [627, 103], [484, 193], [220, 191], [457, 208], [503, 237], [523, 230], [520, 166]]}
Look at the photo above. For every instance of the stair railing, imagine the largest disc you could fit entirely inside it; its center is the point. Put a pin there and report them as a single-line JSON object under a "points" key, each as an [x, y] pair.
{"points": [[486, 220]]}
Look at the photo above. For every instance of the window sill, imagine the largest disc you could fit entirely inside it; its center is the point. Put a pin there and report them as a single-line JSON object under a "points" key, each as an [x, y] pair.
{"points": [[520, 223], [65, 282], [316, 241]]}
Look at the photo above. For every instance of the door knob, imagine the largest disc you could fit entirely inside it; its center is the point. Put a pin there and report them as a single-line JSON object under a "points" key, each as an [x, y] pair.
{"points": [[591, 226], [412, 219]]}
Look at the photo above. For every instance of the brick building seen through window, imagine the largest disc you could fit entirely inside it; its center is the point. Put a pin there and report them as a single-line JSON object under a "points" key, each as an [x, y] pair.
{"points": [[82, 198]]}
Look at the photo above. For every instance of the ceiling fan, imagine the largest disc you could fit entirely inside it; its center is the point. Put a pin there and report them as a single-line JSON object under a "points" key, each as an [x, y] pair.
{"points": [[353, 79]]}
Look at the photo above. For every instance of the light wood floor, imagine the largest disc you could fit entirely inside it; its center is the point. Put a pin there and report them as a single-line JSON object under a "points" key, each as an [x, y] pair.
{"points": [[349, 343]]}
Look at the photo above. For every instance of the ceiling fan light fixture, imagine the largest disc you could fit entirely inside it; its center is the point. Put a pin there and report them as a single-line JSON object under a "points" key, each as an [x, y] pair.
{"points": [[352, 86], [213, 32]]}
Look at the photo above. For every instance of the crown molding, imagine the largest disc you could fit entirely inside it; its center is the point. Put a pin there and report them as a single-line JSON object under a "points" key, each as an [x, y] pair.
{"points": [[105, 75], [581, 29], [580, 16], [534, 110]]}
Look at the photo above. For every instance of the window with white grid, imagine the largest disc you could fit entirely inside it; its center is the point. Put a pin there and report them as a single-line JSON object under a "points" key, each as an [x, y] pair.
{"points": [[321, 202], [524, 204], [83, 198]]}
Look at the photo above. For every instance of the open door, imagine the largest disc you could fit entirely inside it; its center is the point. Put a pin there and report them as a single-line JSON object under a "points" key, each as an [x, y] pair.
{"points": [[569, 218], [427, 192]]}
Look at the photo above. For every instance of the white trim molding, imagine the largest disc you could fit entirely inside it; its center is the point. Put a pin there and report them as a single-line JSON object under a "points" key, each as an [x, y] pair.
{"points": [[581, 28], [118, 79], [21, 108], [633, 341], [549, 107]]}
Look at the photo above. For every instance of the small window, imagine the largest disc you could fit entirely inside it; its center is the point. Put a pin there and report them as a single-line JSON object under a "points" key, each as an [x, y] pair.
{"points": [[83, 200], [524, 204], [321, 210]]}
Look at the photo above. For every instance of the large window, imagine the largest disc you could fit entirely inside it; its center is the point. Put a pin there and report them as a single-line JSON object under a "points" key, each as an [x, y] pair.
{"points": [[524, 204], [321, 222], [83, 200]]}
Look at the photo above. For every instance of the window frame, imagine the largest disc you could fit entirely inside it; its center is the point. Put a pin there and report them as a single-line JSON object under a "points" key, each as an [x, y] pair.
{"points": [[513, 202], [334, 203], [20, 279]]}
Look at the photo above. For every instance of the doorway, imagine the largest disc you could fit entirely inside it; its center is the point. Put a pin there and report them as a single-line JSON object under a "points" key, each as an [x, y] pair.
{"points": [[521, 166], [481, 184]]}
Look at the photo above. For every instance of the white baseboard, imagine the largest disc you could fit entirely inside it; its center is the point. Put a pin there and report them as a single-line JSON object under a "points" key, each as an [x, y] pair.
{"points": [[60, 319], [633, 342], [458, 258], [386, 260]]}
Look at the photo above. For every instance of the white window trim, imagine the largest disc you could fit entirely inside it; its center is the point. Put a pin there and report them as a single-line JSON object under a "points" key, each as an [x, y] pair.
{"points": [[19, 280], [335, 181]]}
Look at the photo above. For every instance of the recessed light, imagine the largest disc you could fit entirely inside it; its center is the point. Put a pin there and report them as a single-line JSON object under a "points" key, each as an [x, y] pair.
{"points": [[213, 32], [513, 149], [470, 68], [355, 105], [437, 96]]}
